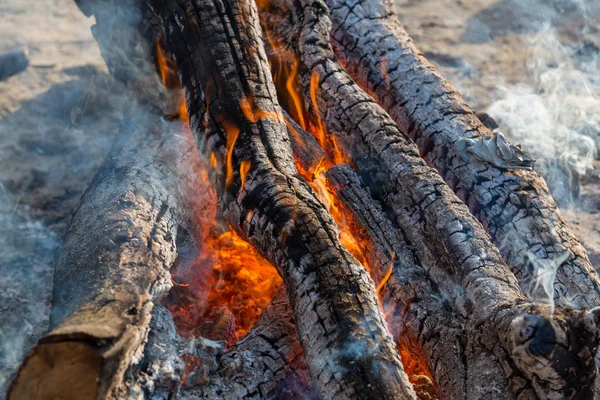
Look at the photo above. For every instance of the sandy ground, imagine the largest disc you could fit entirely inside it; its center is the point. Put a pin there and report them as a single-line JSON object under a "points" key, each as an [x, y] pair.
{"points": [[58, 118]]}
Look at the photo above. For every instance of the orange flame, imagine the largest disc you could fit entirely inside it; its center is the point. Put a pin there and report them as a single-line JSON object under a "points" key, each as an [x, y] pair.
{"points": [[385, 278], [232, 131], [161, 62], [171, 81], [228, 273], [244, 168], [295, 96], [314, 84]]}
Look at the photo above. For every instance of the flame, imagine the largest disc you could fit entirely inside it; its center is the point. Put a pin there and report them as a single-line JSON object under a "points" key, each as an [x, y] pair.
{"points": [[314, 84], [386, 277], [294, 95], [191, 363], [348, 237], [183, 111], [254, 114], [228, 273], [170, 80], [244, 168], [232, 132]]}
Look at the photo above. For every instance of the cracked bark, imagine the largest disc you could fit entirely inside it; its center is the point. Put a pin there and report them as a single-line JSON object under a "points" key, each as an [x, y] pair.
{"points": [[502, 331], [115, 262], [267, 363], [515, 206], [228, 87], [421, 314]]}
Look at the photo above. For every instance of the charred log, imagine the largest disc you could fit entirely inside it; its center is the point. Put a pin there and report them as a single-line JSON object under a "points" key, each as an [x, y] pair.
{"points": [[266, 364], [229, 90], [500, 324], [421, 318], [512, 202]]}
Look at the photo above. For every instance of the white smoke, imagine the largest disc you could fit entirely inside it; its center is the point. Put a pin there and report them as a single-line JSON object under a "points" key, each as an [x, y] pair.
{"points": [[555, 114]]}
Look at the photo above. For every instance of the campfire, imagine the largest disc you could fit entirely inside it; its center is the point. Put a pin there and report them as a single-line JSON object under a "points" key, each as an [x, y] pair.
{"points": [[306, 208]]}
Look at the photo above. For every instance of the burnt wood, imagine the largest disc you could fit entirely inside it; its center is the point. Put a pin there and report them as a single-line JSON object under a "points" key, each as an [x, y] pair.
{"points": [[236, 118], [514, 205], [500, 324]]}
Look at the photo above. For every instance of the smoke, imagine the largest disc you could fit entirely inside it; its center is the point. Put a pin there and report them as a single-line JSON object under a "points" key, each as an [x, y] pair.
{"points": [[555, 113], [27, 249]]}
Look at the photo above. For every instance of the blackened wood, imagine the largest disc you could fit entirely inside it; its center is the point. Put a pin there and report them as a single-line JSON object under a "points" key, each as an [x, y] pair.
{"points": [[514, 205], [420, 316], [229, 90], [500, 324], [267, 363]]}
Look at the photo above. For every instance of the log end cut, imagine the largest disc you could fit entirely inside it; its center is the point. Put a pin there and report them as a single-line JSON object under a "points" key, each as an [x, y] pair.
{"points": [[62, 370]]}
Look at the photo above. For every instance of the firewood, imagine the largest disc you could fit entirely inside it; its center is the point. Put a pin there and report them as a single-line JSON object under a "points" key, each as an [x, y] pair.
{"points": [[227, 81], [421, 318], [503, 332], [115, 262], [514, 205], [266, 364]]}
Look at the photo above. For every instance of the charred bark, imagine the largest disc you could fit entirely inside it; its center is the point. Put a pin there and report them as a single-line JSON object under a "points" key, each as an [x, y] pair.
{"points": [[421, 319], [512, 203], [229, 90], [502, 331], [115, 263], [266, 364]]}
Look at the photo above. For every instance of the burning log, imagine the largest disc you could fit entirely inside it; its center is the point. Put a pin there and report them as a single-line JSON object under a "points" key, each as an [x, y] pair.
{"points": [[511, 201], [115, 263], [266, 364], [234, 113], [420, 313], [502, 330]]}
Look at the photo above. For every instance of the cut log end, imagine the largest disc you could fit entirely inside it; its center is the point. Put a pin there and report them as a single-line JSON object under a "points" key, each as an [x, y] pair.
{"points": [[62, 370]]}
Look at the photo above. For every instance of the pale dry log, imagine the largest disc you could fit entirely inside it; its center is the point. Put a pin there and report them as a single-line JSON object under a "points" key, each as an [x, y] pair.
{"points": [[115, 262], [512, 345], [514, 205], [229, 90]]}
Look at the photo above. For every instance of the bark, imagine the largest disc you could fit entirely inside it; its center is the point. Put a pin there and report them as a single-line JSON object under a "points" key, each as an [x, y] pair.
{"points": [[115, 263], [423, 321], [229, 89], [503, 332], [514, 205], [266, 364]]}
